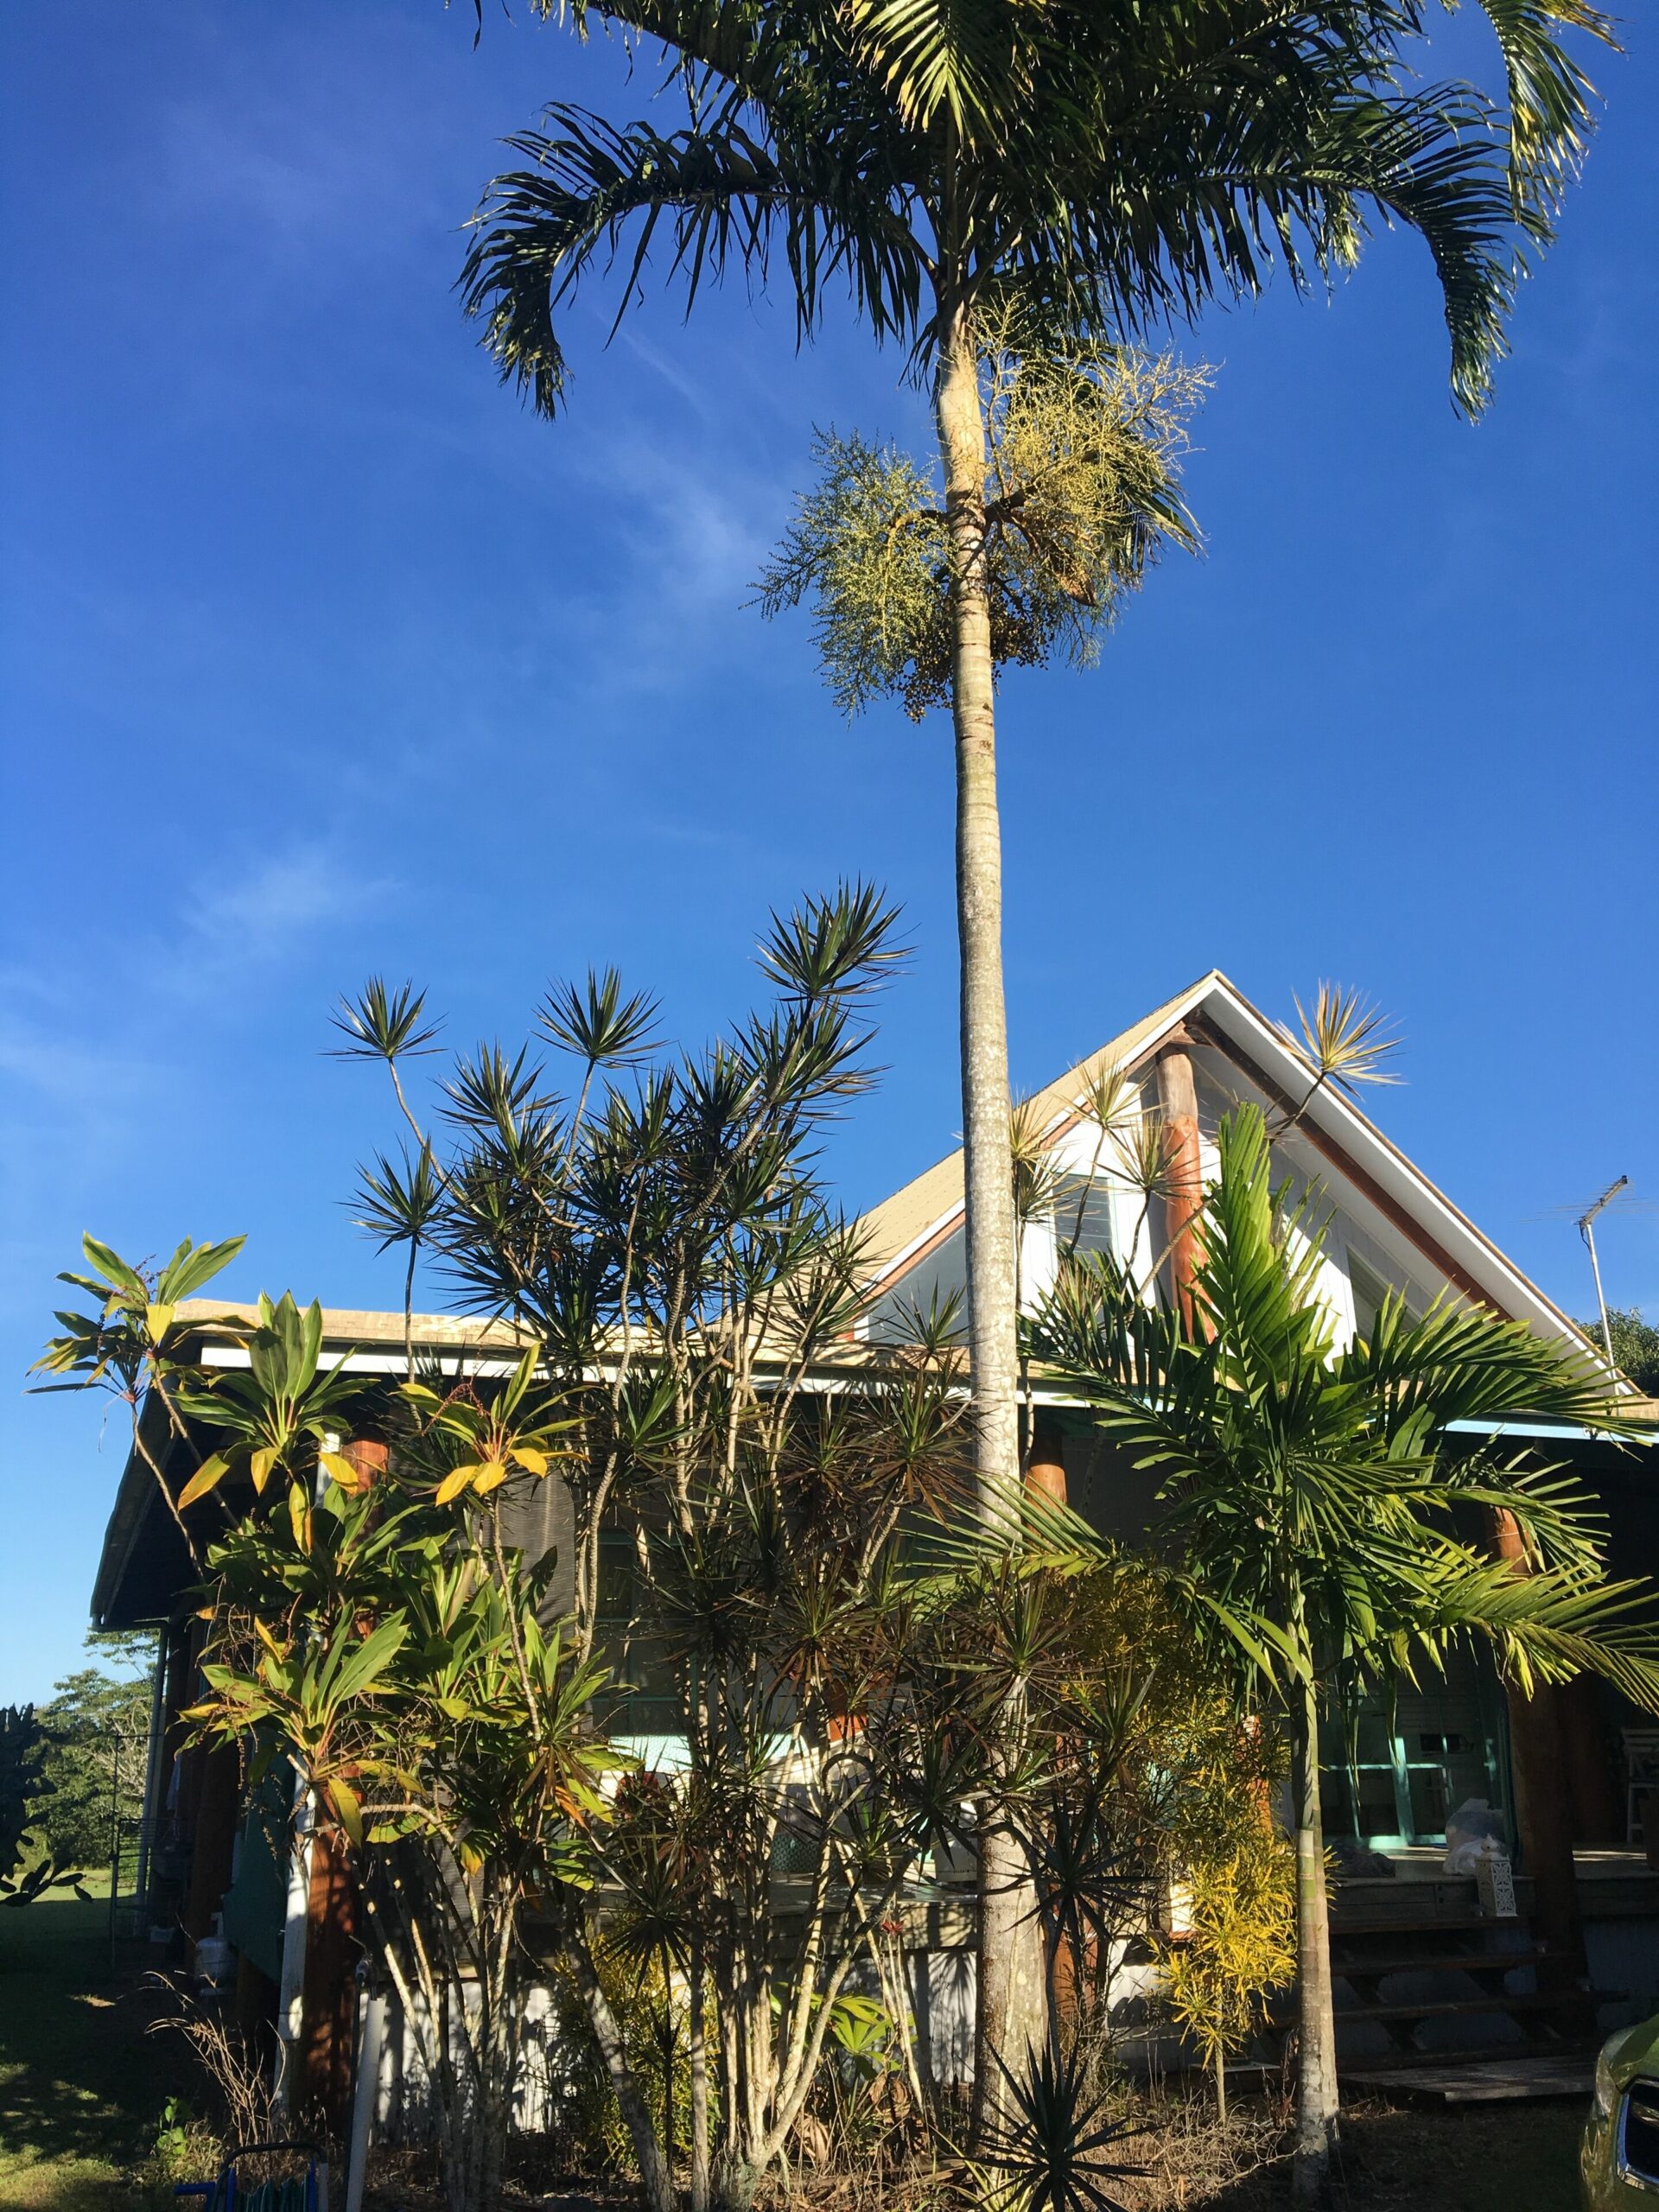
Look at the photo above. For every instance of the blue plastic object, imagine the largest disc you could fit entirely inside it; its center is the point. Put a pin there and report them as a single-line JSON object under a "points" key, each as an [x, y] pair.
{"points": [[296, 2193]]}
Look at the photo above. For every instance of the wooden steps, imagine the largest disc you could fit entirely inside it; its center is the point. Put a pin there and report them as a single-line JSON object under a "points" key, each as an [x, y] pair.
{"points": [[1505, 2076], [1451, 2008], [1454, 1922], [1475, 1962], [1460, 1974]]}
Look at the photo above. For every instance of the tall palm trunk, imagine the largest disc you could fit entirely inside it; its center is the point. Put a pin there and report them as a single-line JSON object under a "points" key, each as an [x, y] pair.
{"points": [[1316, 2029], [1008, 2004]]}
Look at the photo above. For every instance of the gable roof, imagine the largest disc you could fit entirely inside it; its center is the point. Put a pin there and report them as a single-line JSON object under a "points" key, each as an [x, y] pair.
{"points": [[1214, 1013]]}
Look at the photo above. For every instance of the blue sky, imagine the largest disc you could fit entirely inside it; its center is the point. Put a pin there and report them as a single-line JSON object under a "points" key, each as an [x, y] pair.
{"points": [[319, 657]]}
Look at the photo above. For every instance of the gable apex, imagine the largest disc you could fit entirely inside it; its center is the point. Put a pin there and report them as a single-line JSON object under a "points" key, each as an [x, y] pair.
{"points": [[1331, 1137]]}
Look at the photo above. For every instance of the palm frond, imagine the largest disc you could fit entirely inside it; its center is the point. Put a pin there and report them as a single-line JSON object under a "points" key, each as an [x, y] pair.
{"points": [[727, 199]]}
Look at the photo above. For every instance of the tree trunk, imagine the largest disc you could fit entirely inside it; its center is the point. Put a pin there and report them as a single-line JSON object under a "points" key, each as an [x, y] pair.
{"points": [[1009, 1992], [736, 2179], [699, 2065], [987, 1158], [1316, 2028], [654, 2174]]}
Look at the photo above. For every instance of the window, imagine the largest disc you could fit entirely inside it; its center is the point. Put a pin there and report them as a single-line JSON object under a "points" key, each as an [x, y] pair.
{"points": [[1370, 1289], [1083, 1215], [1408, 1769]]}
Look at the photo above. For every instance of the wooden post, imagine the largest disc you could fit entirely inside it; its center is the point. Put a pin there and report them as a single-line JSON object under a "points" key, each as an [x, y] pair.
{"points": [[328, 2003], [369, 1458], [328, 2014], [1596, 1800], [1046, 1468], [213, 1845], [1177, 1104], [1538, 1762], [191, 1757]]}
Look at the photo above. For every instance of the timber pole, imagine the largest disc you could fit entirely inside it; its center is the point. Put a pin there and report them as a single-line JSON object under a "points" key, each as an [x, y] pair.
{"points": [[1177, 1105], [1543, 1815]]}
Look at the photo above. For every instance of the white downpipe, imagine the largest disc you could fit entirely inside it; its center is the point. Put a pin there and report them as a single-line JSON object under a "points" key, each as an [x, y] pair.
{"points": [[150, 1819], [290, 1991], [366, 2094]]}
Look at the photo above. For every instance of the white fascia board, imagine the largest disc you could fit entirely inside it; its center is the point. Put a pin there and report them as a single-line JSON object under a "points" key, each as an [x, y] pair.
{"points": [[1387, 1165], [376, 1363], [1555, 1430], [902, 1258]]}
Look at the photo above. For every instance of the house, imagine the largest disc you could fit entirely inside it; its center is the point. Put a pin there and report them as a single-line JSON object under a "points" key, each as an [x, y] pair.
{"points": [[1559, 1768]]}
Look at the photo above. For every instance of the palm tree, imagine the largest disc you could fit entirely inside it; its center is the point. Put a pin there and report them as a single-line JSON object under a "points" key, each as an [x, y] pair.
{"points": [[1314, 1498], [1114, 167]]}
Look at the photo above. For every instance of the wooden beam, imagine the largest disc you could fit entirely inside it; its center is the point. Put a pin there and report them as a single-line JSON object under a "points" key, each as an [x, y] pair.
{"points": [[1177, 1106]]}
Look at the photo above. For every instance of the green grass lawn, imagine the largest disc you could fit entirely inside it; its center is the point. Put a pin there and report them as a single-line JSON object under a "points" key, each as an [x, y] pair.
{"points": [[81, 2084]]}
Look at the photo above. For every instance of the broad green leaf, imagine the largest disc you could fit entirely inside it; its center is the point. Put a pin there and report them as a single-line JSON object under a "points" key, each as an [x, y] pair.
{"points": [[113, 1269], [192, 1266], [207, 1476], [344, 1799]]}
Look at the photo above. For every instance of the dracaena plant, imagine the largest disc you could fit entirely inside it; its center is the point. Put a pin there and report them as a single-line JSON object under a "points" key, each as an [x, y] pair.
{"points": [[655, 1234]]}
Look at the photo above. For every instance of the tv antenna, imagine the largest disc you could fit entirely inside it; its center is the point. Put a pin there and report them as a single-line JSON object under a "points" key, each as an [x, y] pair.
{"points": [[1588, 1230]]}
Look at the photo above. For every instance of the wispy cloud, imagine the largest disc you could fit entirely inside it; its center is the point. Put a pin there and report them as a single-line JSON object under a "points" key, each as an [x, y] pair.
{"points": [[250, 918], [256, 915]]}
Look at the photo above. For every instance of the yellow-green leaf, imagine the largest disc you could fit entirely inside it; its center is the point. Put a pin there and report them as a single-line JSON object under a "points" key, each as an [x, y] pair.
{"points": [[211, 1471], [455, 1483], [489, 1477], [337, 1464], [344, 1800], [158, 1320], [299, 1516], [532, 1461], [260, 1465]]}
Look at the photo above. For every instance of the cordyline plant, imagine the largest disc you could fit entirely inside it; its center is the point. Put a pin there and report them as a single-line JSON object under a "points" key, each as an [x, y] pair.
{"points": [[1311, 1492], [128, 1347], [445, 1732], [403, 1666]]}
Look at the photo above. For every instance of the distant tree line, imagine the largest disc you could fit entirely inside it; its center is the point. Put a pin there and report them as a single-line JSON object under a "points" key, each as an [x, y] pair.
{"points": [[1635, 1345], [86, 1774]]}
